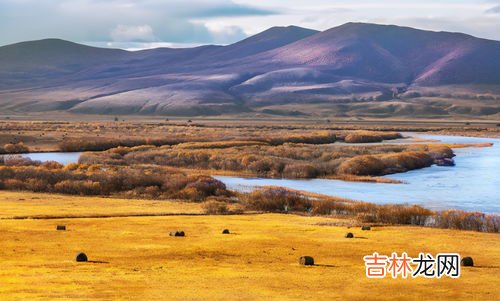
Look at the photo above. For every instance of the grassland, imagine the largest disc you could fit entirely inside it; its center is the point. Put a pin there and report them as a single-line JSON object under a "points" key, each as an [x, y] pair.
{"points": [[126, 236], [20, 205], [98, 131], [133, 258]]}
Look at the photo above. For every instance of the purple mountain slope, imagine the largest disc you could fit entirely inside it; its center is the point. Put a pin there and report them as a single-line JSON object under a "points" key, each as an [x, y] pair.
{"points": [[285, 66], [387, 53]]}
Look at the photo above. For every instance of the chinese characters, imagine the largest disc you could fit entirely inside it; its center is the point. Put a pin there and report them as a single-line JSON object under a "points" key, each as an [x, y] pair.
{"points": [[425, 265]]}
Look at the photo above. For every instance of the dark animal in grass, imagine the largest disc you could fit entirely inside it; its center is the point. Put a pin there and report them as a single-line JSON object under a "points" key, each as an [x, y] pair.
{"points": [[467, 262], [81, 257], [366, 228], [177, 233], [349, 235], [225, 231], [61, 228], [306, 260]]}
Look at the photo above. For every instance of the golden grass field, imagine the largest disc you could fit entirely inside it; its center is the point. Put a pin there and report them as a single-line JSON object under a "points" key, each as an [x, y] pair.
{"points": [[133, 258]]}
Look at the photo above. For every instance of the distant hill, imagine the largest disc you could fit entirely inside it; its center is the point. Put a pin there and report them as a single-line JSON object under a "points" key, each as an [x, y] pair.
{"points": [[356, 69], [51, 58]]}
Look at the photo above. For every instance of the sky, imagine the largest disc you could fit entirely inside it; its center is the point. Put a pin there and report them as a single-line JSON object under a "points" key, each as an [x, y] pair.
{"points": [[140, 24]]}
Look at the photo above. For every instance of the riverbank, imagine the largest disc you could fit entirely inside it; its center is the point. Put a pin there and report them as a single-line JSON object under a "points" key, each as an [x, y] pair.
{"points": [[473, 180], [471, 185]]}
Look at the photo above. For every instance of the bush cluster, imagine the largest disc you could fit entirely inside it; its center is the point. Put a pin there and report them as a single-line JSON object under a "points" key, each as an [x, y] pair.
{"points": [[289, 160], [14, 148], [85, 179], [369, 136], [281, 200]]}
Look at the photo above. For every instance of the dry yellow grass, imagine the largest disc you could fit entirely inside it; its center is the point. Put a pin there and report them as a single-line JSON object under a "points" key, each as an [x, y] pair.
{"points": [[23, 204], [135, 259], [46, 136]]}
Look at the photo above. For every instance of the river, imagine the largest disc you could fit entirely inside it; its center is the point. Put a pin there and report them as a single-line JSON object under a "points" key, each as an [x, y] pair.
{"points": [[472, 185], [63, 158]]}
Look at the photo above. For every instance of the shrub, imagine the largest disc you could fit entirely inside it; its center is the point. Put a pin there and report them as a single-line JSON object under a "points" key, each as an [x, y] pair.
{"points": [[361, 138], [81, 179], [300, 171], [324, 137], [362, 166], [375, 165], [14, 148], [457, 219], [219, 144], [368, 136], [281, 200], [403, 214], [206, 186], [215, 207], [284, 160], [82, 145], [82, 187], [277, 200]]}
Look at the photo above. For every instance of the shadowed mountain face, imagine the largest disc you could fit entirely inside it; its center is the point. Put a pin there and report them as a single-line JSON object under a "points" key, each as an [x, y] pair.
{"points": [[22, 63], [340, 68]]}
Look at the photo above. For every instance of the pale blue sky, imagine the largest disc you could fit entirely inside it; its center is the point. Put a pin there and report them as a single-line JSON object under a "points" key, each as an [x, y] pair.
{"points": [[152, 23]]}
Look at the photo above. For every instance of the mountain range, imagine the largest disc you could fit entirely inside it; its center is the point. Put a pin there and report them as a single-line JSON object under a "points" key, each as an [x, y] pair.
{"points": [[355, 69]]}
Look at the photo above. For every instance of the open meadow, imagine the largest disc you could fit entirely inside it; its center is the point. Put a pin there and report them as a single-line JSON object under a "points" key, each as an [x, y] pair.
{"points": [[134, 258], [136, 182]]}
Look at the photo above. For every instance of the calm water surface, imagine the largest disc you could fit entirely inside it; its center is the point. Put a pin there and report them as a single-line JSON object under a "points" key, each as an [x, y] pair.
{"points": [[63, 158]]}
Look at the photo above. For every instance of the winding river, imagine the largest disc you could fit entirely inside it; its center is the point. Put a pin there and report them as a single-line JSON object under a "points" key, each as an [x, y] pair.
{"points": [[472, 185]]}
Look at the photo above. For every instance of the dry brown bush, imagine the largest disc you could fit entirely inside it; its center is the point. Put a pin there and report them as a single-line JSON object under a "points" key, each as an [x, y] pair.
{"points": [[215, 207], [370, 136], [81, 179], [382, 164], [14, 148], [287, 160], [276, 200], [283, 200]]}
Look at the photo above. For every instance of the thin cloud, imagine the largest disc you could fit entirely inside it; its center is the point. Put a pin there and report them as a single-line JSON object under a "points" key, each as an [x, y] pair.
{"points": [[195, 22], [102, 21], [494, 10], [232, 10], [140, 33]]}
